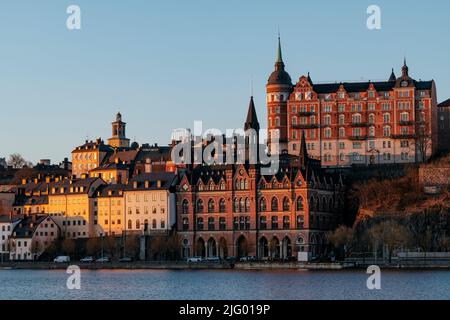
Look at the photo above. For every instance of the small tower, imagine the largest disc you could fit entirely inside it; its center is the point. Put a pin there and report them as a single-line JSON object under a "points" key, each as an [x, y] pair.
{"points": [[405, 69], [303, 156], [118, 139], [251, 127], [392, 76], [278, 89]]}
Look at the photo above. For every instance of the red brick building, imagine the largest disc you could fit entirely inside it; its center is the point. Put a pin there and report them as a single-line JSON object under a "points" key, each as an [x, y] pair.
{"points": [[235, 210], [362, 123]]}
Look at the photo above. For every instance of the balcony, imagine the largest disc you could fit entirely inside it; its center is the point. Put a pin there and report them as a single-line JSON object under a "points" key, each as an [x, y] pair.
{"points": [[305, 126], [306, 113], [404, 136], [406, 123], [362, 137], [359, 124]]}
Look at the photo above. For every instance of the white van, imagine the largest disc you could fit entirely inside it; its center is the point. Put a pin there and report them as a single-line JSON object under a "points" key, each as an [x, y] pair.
{"points": [[62, 259]]}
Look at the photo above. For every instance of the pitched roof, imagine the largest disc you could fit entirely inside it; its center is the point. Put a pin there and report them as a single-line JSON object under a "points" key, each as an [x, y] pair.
{"points": [[139, 182], [252, 119], [444, 104]]}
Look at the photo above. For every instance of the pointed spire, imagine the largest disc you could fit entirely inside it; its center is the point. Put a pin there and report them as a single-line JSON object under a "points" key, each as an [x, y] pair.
{"points": [[279, 54], [392, 77], [303, 152], [405, 69], [309, 79], [252, 119]]}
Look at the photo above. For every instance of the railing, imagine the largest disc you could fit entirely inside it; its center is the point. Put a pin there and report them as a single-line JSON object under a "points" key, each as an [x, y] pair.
{"points": [[306, 126], [364, 137], [359, 124], [404, 136], [306, 113]]}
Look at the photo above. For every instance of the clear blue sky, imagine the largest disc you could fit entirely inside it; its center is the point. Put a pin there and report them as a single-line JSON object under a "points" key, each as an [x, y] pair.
{"points": [[165, 64]]}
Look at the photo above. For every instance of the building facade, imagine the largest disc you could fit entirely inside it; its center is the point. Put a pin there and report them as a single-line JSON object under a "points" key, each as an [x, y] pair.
{"points": [[361, 123], [444, 125], [236, 210], [31, 236], [150, 203]]}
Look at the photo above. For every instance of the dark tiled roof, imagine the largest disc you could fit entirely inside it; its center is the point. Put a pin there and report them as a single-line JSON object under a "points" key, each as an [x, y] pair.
{"points": [[7, 219], [364, 86], [112, 190], [166, 179], [37, 200], [112, 166], [444, 104], [27, 227]]}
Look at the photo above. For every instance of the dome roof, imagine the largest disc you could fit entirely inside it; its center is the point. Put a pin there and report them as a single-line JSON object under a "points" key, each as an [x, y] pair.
{"points": [[280, 76]]}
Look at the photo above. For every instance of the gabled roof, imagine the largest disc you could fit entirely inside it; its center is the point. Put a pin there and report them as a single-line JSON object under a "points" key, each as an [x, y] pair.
{"points": [[444, 104]]}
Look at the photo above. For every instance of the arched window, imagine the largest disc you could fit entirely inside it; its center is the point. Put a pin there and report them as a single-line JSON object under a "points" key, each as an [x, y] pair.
{"points": [[330, 205], [236, 184], [386, 118], [138, 224], [130, 225], [294, 120], [356, 118], [324, 205], [222, 206], [247, 205], [245, 184], [311, 204], [241, 205], [222, 185], [300, 203], [200, 224], [341, 132], [371, 118], [274, 204], [286, 204], [300, 222], [185, 224], [341, 119], [387, 131], [372, 131], [200, 205], [185, 206], [242, 184], [327, 132], [263, 205], [327, 120], [235, 205], [211, 206], [277, 122], [154, 226]]}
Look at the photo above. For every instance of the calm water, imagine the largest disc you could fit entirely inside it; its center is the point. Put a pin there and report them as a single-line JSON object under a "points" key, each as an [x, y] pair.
{"points": [[223, 284]]}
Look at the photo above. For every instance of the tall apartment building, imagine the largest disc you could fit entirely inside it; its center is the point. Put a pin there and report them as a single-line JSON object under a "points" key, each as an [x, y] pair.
{"points": [[362, 123]]}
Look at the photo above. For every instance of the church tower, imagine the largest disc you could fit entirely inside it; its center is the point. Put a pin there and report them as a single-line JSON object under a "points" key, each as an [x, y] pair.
{"points": [[278, 89], [118, 139]]}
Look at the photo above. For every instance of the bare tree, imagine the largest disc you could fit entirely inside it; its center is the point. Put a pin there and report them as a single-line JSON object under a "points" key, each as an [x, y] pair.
{"points": [[18, 162], [422, 145], [68, 246], [390, 235], [342, 239]]}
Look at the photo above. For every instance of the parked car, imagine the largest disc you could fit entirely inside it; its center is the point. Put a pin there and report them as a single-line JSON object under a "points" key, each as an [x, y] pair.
{"points": [[231, 259], [247, 259], [102, 260], [213, 259], [126, 259], [62, 259], [195, 259], [87, 260]]}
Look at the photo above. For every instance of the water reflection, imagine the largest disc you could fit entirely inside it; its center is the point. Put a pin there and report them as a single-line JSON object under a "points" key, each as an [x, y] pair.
{"points": [[224, 284]]}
